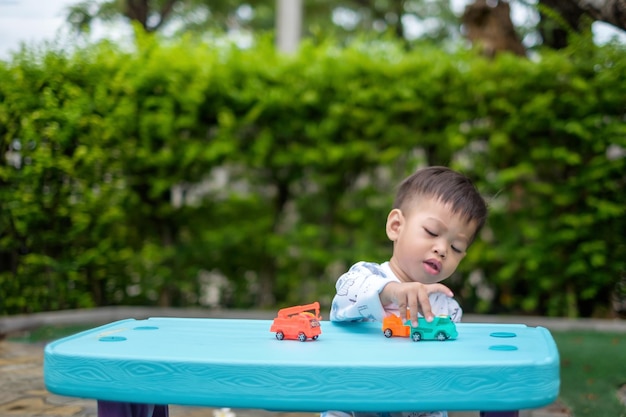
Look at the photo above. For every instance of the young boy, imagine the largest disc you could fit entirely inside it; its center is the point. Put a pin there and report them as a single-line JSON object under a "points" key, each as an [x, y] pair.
{"points": [[436, 215]]}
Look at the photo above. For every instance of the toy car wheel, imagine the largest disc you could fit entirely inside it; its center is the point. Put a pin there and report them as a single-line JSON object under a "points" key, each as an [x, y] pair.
{"points": [[301, 337], [280, 335], [388, 333], [416, 336], [315, 337], [441, 336]]}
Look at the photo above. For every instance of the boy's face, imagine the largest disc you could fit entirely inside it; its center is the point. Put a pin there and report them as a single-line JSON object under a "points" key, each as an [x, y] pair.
{"points": [[429, 241]]}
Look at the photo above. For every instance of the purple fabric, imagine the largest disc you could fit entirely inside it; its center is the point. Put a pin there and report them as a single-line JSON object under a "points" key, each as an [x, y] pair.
{"points": [[119, 409]]}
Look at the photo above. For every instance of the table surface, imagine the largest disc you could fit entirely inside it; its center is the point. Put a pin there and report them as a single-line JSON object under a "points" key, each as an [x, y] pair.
{"points": [[352, 366]]}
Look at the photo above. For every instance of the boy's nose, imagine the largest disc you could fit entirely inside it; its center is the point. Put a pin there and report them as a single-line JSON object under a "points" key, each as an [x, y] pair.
{"points": [[440, 252]]}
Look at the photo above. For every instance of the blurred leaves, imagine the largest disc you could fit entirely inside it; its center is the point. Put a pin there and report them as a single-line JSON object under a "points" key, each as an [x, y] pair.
{"points": [[126, 175]]}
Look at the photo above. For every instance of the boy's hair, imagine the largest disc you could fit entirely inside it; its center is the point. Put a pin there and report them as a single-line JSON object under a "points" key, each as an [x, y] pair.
{"points": [[447, 186]]}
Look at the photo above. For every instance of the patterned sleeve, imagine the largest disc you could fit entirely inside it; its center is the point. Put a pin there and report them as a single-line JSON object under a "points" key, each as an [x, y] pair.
{"points": [[357, 296], [441, 304]]}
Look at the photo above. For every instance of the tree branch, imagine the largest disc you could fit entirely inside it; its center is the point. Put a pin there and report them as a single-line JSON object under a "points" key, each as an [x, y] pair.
{"points": [[165, 12], [608, 11]]}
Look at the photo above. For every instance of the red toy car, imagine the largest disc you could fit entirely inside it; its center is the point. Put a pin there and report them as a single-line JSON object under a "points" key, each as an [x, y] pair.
{"points": [[298, 322]]}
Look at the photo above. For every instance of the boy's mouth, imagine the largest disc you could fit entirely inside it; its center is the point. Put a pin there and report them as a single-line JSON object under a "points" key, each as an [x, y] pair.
{"points": [[432, 266]]}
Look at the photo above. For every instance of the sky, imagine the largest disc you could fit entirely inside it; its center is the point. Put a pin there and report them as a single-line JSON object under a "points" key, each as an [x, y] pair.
{"points": [[36, 21], [28, 20]]}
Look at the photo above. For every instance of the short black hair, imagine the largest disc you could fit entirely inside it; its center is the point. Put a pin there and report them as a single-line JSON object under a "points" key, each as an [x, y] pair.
{"points": [[449, 187]]}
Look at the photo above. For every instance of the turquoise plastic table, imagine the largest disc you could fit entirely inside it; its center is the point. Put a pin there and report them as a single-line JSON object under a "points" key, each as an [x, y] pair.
{"points": [[352, 366]]}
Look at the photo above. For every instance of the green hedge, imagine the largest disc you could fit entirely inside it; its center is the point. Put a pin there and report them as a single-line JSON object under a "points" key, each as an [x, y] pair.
{"points": [[151, 177]]}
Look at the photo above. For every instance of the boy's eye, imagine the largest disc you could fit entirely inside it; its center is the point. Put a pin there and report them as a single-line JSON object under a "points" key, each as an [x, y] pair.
{"points": [[430, 233], [456, 249]]}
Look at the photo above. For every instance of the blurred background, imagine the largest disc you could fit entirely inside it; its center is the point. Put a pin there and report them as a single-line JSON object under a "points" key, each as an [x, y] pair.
{"points": [[222, 154]]}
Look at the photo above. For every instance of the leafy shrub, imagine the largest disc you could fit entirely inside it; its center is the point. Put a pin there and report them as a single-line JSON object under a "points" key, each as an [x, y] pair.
{"points": [[161, 175]]}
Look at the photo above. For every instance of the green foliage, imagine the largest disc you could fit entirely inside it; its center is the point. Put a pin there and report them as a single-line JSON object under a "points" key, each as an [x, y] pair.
{"points": [[560, 192], [161, 175]]}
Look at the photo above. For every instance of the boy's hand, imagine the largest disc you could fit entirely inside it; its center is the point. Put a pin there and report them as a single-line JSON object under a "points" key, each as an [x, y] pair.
{"points": [[412, 296]]}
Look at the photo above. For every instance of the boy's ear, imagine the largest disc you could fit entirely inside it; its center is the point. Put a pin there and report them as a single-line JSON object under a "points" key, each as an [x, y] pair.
{"points": [[395, 219]]}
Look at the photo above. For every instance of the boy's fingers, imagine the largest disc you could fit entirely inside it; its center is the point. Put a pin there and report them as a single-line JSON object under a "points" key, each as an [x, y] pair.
{"points": [[411, 303], [433, 288], [403, 314], [426, 309], [413, 310], [402, 307]]}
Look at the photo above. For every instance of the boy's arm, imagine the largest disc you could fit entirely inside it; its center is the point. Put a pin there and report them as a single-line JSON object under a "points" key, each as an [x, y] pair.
{"points": [[358, 294], [363, 294]]}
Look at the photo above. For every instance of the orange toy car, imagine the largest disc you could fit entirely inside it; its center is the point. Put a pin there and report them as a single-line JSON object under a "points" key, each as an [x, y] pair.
{"points": [[298, 322], [394, 326]]}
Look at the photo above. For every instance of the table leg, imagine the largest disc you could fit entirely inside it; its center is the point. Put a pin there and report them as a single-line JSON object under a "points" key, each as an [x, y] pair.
{"points": [[499, 414], [120, 409]]}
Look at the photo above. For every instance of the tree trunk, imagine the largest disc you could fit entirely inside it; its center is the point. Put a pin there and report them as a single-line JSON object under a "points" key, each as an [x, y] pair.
{"points": [[488, 26]]}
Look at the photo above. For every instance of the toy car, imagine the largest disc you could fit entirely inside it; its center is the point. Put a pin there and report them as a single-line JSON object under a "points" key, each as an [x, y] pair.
{"points": [[298, 322], [441, 328]]}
